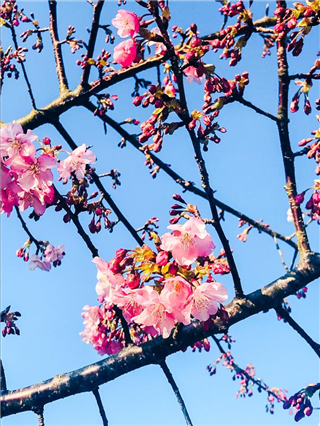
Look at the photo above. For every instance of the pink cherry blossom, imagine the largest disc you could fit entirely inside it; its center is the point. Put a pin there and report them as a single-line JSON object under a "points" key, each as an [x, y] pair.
{"points": [[203, 301], [36, 262], [156, 314], [14, 142], [9, 197], [192, 75], [76, 162], [108, 282], [160, 47], [95, 332], [188, 241], [53, 254], [34, 172], [131, 301], [176, 292], [125, 53], [35, 198], [127, 23]]}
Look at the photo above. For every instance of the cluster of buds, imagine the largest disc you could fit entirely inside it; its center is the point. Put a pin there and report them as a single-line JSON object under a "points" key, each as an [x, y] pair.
{"points": [[100, 214], [48, 255], [10, 15], [314, 202], [155, 291], [301, 401], [312, 146], [304, 88], [232, 10], [38, 45], [202, 344], [74, 43], [207, 132], [247, 380], [244, 234], [6, 66], [105, 103], [9, 319], [102, 63]]}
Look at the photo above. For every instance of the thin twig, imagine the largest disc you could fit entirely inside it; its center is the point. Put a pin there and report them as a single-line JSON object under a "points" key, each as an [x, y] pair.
{"points": [[187, 185], [75, 219], [24, 71], [255, 108], [26, 229], [285, 315], [295, 254], [39, 412], [176, 391], [97, 8], [53, 28], [100, 186], [280, 254], [102, 412]]}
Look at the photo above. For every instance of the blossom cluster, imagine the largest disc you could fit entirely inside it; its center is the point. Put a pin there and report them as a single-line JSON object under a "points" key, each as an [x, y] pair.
{"points": [[128, 26], [149, 293]]}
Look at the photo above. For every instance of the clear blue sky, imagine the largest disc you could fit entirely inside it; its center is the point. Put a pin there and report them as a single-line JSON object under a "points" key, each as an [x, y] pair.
{"points": [[247, 172]]}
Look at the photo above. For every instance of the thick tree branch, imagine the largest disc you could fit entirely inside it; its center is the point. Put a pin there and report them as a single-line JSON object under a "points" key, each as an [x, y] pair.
{"points": [[286, 316], [176, 391], [134, 357], [283, 130], [97, 8]]}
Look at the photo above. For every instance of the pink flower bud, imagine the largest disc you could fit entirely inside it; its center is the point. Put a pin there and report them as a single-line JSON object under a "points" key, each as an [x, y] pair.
{"points": [[173, 269], [114, 266], [46, 141], [121, 254], [162, 258], [133, 281]]}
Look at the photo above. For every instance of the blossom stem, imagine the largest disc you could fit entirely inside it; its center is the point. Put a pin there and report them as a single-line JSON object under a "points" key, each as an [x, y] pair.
{"points": [[53, 29], [102, 412], [164, 367], [97, 8], [187, 185], [287, 154], [287, 317], [280, 254]]}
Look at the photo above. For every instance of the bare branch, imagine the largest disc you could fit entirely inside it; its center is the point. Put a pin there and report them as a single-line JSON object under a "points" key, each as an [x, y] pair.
{"points": [[287, 154], [24, 71], [97, 8], [26, 229], [3, 382], [134, 357], [176, 391], [39, 412], [102, 412], [255, 108], [280, 254], [53, 28], [286, 316]]}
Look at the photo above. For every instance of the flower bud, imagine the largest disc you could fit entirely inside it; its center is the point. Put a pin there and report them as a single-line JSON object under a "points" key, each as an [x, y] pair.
{"points": [[133, 281], [162, 258]]}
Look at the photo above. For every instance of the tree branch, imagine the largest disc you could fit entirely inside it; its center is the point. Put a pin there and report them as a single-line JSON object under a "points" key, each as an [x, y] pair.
{"points": [[174, 386], [100, 405], [97, 8], [134, 357], [283, 130], [100, 186], [285, 315], [53, 29], [255, 108], [26, 229], [3, 382]]}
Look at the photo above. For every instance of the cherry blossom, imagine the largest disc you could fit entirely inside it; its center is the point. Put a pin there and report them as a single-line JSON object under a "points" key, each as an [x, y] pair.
{"points": [[36, 262], [14, 142], [125, 53], [54, 254], [203, 301], [192, 75], [127, 23], [76, 162], [188, 241]]}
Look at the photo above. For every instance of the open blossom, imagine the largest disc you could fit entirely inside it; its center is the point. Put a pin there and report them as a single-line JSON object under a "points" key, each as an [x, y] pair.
{"points": [[160, 47], [204, 300], [14, 142], [76, 162], [38, 198], [193, 76], [125, 53], [36, 262], [108, 282], [54, 254], [127, 23], [156, 314], [95, 332], [131, 301], [188, 241]]}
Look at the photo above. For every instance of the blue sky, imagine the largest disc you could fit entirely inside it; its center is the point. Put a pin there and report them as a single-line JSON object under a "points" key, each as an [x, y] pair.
{"points": [[247, 172]]}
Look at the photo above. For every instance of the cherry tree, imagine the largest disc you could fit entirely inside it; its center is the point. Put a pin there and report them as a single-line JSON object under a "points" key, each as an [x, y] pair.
{"points": [[143, 79]]}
